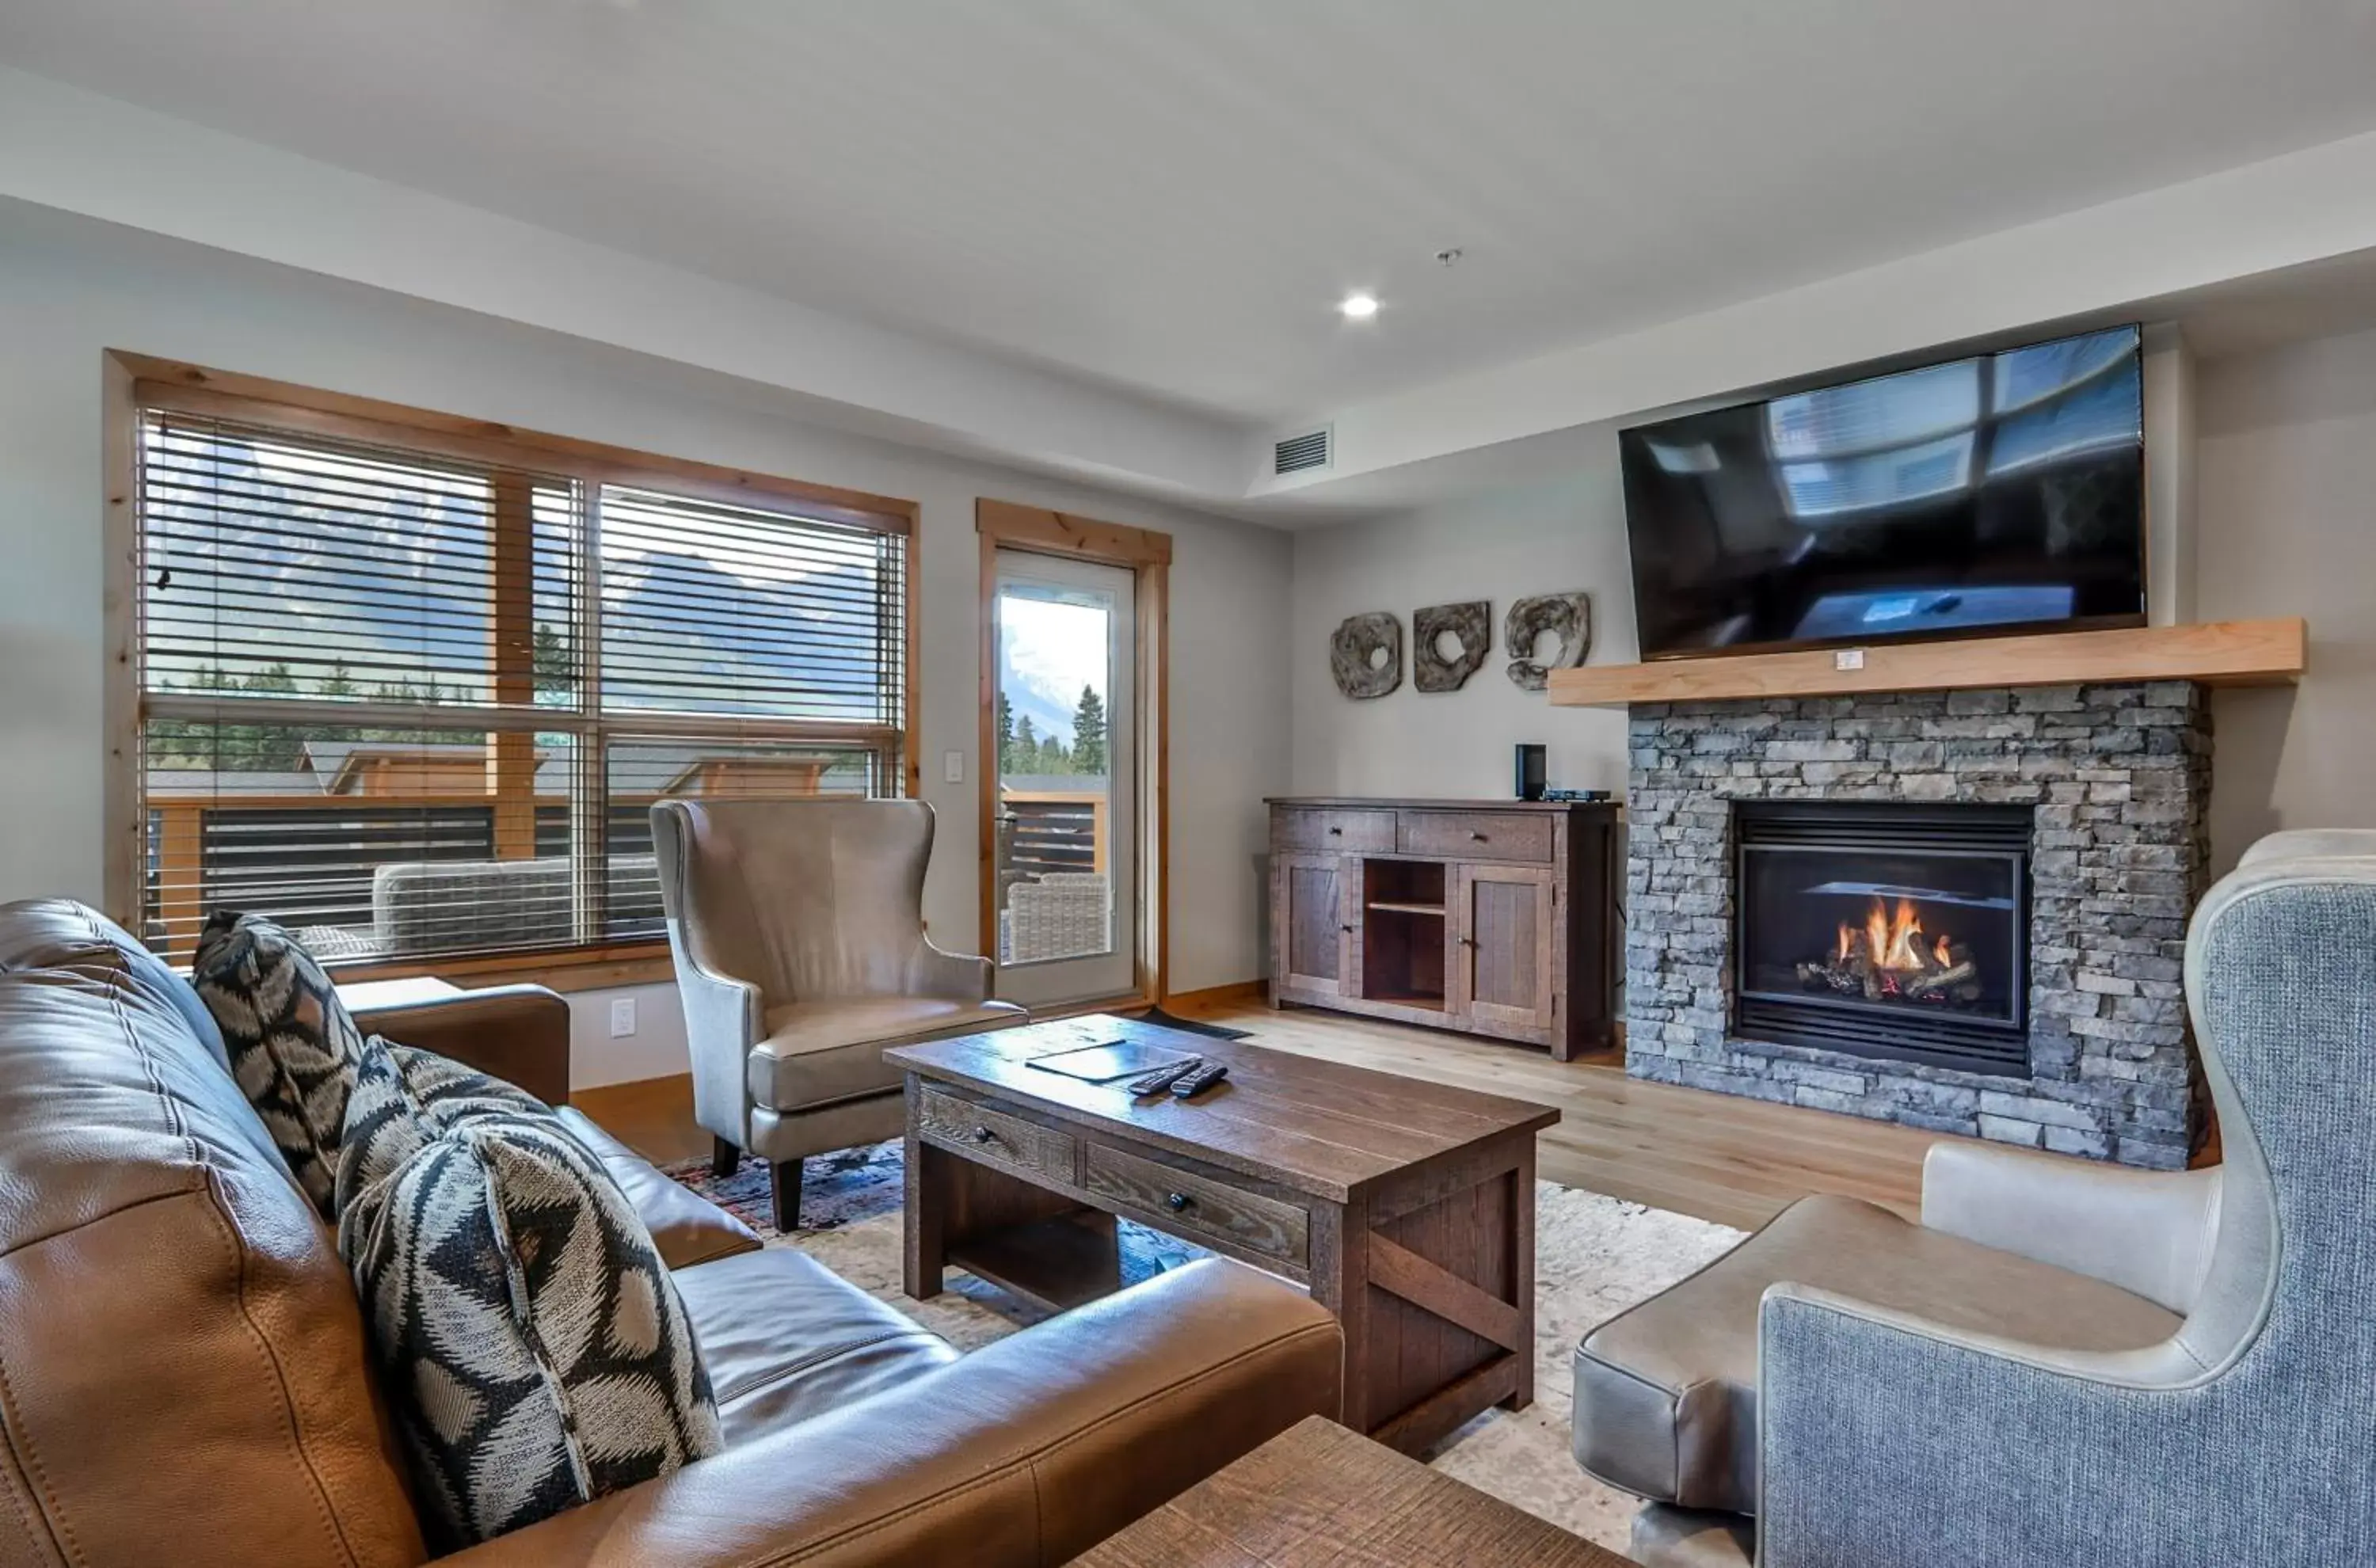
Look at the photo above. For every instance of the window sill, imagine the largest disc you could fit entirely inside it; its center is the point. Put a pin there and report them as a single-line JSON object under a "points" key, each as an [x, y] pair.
{"points": [[591, 969]]}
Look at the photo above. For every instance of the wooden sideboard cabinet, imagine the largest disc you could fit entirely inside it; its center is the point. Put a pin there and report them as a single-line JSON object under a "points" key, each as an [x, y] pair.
{"points": [[1495, 916]]}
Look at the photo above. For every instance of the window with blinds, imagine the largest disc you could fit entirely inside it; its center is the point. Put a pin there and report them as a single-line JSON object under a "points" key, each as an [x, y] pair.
{"points": [[417, 703]]}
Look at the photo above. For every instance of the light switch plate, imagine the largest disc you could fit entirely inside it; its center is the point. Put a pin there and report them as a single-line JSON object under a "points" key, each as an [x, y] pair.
{"points": [[622, 1017], [1848, 659], [953, 767]]}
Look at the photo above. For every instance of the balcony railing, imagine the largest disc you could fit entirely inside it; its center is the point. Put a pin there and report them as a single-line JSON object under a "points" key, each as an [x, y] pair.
{"points": [[314, 862]]}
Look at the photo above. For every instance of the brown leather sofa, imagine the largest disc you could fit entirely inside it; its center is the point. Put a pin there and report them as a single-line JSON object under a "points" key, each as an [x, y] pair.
{"points": [[183, 1376]]}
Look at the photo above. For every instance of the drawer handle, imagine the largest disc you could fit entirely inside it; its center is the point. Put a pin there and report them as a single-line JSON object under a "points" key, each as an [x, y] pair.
{"points": [[1345, 929], [1335, 833], [1475, 836], [984, 1135], [1178, 1202]]}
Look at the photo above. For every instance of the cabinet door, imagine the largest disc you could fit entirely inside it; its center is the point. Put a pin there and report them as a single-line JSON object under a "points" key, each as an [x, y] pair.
{"points": [[1311, 944], [1503, 977]]}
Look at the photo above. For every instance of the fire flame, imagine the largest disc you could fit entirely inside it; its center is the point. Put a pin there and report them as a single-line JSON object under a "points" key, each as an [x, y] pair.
{"points": [[1892, 936]]}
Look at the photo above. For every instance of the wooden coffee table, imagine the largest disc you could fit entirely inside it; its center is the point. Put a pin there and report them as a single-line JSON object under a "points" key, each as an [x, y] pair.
{"points": [[1407, 1207], [1317, 1495]]}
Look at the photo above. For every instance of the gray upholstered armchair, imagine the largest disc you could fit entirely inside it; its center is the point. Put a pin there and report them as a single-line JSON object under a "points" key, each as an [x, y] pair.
{"points": [[797, 932], [1885, 1427]]}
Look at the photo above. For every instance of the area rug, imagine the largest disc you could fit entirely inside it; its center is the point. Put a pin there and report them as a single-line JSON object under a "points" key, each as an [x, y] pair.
{"points": [[1594, 1257]]}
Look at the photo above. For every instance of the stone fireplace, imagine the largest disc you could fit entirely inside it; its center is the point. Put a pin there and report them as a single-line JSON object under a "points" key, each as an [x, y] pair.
{"points": [[1964, 911]]}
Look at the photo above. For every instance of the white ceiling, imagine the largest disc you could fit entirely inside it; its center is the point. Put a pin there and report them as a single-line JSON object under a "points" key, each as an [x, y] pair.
{"points": [[1171, 197]]}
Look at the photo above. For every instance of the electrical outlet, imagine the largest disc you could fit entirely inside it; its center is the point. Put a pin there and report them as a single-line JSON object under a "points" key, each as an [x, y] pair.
{"points": [[622, 1017], [953, 767]]}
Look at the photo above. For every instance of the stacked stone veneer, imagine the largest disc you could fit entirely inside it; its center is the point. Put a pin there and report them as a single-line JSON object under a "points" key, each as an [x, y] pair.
{"points": [[2120, 778]]}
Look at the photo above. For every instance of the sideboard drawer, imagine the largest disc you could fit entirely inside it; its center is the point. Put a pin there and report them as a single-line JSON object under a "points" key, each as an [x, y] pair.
{"points": [[995, 1136], [1477, 836], [1195, 1206], [1312, 828]]}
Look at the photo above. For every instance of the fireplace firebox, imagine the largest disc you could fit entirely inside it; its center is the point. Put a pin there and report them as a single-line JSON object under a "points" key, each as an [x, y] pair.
{"points": [[1884, 929]]}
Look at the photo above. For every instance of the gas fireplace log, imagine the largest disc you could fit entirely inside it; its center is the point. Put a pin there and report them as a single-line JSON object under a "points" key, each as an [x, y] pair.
{"points": [[1940, 980]]}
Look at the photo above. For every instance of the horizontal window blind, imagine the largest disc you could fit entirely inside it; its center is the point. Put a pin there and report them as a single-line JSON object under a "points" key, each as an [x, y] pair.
{"points": [[723, 609], [419, 706], [282, 567]]}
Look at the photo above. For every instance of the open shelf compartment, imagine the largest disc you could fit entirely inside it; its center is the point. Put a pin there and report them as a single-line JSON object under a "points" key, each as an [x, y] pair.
{"points": [[1403, 932]]}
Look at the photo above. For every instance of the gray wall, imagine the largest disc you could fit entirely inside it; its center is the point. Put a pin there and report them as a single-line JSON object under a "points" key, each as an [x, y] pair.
{"points": [[2285, 525], [72, 287], [1543, 539]]}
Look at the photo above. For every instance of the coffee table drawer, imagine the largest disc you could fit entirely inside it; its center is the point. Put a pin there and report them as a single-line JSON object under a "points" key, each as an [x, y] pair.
{"points": [[1477, 836], [996, 1137], [1314, 828], [1197, 1206]]}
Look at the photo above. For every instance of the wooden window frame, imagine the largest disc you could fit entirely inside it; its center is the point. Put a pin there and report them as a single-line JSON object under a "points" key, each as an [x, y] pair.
{"points": [[132, 383], [1147, 554]]}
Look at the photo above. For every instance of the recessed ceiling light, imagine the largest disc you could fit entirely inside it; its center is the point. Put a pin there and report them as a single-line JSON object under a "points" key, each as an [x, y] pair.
{"points": [[1359, 306]]}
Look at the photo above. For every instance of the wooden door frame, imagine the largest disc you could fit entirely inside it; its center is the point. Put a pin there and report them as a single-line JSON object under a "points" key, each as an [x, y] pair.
{"points": [[1146, 553]]}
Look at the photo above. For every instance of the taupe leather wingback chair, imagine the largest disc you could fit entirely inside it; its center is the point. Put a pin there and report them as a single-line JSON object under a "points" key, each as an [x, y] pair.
{"points": [[798, 931]]}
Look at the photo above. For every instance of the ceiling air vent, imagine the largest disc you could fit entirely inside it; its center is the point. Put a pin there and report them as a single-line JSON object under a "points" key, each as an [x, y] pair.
{"points": [[1300, 452]]}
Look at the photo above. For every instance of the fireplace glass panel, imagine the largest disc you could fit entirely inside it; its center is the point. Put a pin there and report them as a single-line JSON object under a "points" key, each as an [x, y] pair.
{"points": [[1884, 928], [1928, 932]]}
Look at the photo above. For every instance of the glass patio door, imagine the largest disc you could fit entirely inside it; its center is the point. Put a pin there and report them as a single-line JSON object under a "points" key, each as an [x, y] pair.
{"points": [[1066, 808]]}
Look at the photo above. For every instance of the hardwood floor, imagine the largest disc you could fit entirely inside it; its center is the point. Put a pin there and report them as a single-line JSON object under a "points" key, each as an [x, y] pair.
{"points": [[1735, 1161]]}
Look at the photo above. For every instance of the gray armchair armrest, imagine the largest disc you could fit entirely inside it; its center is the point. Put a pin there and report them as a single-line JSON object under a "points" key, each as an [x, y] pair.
{"points": [[1021, 1454], [1885, 1440], [2148, 1231]]}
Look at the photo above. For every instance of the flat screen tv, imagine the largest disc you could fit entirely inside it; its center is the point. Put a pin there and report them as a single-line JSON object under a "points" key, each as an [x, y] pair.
{"points": [[2005, 491]]}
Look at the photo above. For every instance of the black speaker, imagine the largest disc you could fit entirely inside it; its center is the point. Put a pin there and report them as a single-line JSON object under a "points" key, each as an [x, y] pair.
{"points": [[1530, 772]]}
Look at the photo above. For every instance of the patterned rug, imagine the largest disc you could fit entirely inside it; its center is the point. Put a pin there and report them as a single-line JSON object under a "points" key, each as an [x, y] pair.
{"points": [[1594, 1257]]}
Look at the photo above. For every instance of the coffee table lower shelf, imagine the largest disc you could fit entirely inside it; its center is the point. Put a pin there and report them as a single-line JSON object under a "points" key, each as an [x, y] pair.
{"points": [[1057, 1264]]}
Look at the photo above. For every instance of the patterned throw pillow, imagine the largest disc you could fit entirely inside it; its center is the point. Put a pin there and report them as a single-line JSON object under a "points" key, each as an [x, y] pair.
{"points": [[292, 1046], [535, 1351], [405, 1098]]}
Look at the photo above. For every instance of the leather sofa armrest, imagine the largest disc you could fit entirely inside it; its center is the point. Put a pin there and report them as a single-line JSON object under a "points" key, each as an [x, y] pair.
{"points": [[687, 1228], [518, 1033], [2146, 1231], [1023, 1454]]}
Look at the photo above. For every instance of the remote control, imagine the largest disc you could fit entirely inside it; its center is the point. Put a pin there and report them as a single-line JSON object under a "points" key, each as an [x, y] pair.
{"points": [[1189, 1085], [1163, 1077]]}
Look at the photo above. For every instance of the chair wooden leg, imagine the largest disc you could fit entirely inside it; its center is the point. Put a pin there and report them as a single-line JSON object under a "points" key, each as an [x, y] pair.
{"points": [[725, 1160], [784, 1193]]}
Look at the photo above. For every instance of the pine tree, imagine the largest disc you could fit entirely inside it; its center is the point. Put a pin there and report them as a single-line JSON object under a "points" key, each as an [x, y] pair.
{"points": [[1023, 752], [552, 657], [1005, 734], [1089, 732]]}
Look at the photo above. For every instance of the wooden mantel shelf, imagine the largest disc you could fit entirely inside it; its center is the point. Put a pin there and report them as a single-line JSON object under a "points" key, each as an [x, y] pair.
{"points": [[2220, 653]]}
